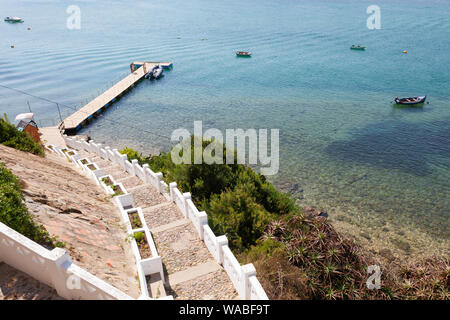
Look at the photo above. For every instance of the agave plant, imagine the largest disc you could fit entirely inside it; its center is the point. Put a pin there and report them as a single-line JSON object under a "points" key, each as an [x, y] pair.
{"points": [[276, 228]]}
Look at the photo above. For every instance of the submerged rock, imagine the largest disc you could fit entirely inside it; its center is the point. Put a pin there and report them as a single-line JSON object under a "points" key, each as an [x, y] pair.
{"points": [[386, 253], [296, 189], [365, 235], [323, 214], [308, 209], [314, 213], [405, 246]]}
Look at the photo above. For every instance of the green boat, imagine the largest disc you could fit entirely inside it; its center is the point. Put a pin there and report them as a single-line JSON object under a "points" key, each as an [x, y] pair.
{"points": [[357, 47]]}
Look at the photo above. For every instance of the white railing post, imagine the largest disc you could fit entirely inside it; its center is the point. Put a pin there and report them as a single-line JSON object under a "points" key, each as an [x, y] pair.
{"points": [[91, 146], [65, 139], [110, 155], [248, 270], [123, 157], [99, 147], [172, 186], [116, 160], [221, 241], [145, 166], [107, 148], [202, 220], [86, 146], [135, 163], [186, 196], [159, 175], [58, 269]]}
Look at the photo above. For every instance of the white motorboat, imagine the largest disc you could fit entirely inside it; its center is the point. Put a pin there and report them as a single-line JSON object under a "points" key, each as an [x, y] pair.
{"points": [[13, 19]]}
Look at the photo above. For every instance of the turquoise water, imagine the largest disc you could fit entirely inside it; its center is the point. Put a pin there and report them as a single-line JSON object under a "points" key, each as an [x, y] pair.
{"points": [[377, 169]]}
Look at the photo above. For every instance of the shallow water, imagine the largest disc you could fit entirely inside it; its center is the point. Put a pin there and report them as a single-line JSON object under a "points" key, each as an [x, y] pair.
{"points": [[379, 170]]}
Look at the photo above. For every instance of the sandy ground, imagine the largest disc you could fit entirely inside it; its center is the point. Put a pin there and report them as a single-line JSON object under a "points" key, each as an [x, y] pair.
{"points": [[77, 211], [16, 285]]}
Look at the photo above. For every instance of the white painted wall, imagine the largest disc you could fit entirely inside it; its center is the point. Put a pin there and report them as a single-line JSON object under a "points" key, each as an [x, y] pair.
{"points": [[53, 268]]}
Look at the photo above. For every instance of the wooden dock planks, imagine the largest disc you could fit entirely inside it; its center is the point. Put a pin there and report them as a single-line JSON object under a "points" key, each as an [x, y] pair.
{"points": [[75, 121]]}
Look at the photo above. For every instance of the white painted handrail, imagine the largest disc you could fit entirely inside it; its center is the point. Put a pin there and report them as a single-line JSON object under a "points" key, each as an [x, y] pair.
{"points": [[233, 269], [53, 268]]}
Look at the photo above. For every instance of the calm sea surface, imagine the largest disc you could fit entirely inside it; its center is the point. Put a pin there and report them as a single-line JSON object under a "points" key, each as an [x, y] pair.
{"points": [[382, 172]]}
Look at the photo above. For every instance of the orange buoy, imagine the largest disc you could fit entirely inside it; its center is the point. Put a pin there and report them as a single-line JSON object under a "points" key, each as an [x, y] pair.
{"points": [[405, 51]]}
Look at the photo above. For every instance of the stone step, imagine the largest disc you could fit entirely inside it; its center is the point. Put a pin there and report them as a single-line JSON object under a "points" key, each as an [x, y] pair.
{"points": [[146, 196], [92, 156], [116, 172], [130, 182], [95, 157], [101, 163], [84, 153], [180, 248], [162, 214], [193, 272], [213, 285], [169, 226], [107, 166]]}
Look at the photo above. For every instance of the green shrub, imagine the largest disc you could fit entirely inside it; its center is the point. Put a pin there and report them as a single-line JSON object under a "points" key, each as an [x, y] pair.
{"points": [[265, 193], [13, 211], [237, 214], [132, 154], [239, 201], [139, 237], [11, 137]]}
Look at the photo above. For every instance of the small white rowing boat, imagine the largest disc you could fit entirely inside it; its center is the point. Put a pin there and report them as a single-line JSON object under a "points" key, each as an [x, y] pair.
{"points": [[13, 19]]}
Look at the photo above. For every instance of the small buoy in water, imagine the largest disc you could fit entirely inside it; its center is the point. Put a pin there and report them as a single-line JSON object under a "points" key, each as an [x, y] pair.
{"points": [[203, 38], [28, 28], [405, 51], [12, 46]]}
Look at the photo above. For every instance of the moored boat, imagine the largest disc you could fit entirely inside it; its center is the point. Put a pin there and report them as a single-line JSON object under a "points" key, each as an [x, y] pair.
{"points": [[157, 72], [13, 19], [358, 47], [243, 54], [411, 100], [149, 74]]}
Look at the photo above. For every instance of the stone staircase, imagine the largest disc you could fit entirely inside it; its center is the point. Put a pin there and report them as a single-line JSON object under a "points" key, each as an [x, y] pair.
{"points": [[190, 270], [184, 258]]}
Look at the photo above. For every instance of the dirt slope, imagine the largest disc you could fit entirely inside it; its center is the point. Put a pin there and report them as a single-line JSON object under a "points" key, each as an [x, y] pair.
{"points": [[77, 211]]}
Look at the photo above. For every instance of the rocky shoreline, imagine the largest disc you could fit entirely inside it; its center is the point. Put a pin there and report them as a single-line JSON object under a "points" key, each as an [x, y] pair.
{"points": [[380, 241]]}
